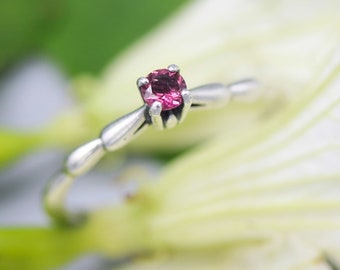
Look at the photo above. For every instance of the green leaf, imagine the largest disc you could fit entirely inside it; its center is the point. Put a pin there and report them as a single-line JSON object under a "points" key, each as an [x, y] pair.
{"points": [[37, 248], [14, 144], [91, 33], [82, 36], [46, 248], [24, 25]]}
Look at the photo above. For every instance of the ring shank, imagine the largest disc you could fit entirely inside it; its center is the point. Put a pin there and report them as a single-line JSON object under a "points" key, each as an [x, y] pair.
{"points": [[81, 160], [116, 135]]}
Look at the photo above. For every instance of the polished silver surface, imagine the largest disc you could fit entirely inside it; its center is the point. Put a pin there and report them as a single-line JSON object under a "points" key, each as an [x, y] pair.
{"points": [[155, 114], [210, 96], [142, 81], [84, 158], [173, 68], [123, 130], [217, 94], [187, 101], [243, 87], [54, 198]]}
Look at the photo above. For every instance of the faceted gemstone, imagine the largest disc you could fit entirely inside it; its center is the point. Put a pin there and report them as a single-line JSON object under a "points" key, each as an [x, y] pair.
{"points": [[164, 86]]}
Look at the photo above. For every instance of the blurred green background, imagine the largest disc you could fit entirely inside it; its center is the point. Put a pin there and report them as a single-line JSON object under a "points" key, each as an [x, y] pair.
{"points": [[262, 186], [76, 37], [82, 36]]}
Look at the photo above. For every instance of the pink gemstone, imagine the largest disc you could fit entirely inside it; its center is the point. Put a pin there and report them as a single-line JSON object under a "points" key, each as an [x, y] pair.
{"points": [[164, 86]]}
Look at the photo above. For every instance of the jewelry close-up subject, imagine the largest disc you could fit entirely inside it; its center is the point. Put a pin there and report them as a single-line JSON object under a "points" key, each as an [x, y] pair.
{"points": [[167, 101]]}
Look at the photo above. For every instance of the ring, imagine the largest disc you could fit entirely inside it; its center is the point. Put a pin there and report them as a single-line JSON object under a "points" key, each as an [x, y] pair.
{"points": [[167, 101]]}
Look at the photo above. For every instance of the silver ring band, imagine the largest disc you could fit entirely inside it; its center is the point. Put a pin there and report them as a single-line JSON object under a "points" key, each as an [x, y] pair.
{"points": [[123, 130]]}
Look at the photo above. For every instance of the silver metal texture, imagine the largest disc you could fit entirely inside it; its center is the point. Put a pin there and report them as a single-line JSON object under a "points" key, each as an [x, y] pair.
{"points": [[84, 158], [142, 81], [173, 68], [123, 130], [155, 114], [187, 101]]}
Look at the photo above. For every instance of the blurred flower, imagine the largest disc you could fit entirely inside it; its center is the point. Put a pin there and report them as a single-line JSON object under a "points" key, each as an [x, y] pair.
{"points": [[261, 190]]}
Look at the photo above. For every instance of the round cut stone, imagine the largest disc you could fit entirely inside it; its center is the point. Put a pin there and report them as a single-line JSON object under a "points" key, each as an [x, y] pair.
{"points": [[164, 86]]}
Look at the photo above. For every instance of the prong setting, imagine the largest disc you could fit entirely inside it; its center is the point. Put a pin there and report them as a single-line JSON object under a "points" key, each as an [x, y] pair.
{"points": [[173, 68], [155, 114], [167, 102], [142, 81], [187, 101]]}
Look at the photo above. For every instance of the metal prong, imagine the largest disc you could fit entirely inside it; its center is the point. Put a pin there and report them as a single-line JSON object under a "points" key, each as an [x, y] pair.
{"points": [[187, 101], [171, 121], [155, 114], [142, 81], [173, 68]]}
